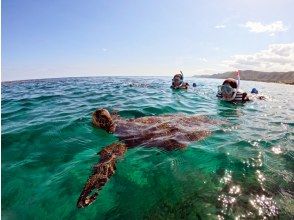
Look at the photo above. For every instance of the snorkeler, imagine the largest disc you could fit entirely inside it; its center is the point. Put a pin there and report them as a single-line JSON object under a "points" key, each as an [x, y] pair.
{"points": [[230, 91], [178, 82]]}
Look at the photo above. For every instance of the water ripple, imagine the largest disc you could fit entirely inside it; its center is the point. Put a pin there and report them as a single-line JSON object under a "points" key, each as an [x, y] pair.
{"points": [[243, 170]]}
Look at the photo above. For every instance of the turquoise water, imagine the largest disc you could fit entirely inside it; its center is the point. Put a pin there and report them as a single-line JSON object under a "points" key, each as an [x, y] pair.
{"points": [[244, 169]]}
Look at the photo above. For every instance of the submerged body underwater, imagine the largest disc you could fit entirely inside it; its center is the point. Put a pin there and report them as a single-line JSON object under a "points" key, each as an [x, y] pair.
{"points": [[244, 168]]}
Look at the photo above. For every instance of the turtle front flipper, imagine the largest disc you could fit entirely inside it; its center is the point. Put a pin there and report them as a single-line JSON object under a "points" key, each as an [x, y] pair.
{"points": [[102, 171]]}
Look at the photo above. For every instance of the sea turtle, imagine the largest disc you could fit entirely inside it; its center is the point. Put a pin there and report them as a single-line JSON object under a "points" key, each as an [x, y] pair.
{"points": [[167, 131]]}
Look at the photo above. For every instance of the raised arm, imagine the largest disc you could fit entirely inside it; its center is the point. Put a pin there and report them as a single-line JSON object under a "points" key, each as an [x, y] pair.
{"points": [[101, 173]]}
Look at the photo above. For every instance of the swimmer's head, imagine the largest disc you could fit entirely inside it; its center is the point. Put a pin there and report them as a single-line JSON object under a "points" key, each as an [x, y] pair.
{"points": [[102, 119], [228, 89], [232, 82], [177, 80], [254, 91]]}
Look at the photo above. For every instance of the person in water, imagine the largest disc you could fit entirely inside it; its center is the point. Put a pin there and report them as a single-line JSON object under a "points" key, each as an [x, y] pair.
{"points": [[254, 91], [178, 82], [230, 91]]}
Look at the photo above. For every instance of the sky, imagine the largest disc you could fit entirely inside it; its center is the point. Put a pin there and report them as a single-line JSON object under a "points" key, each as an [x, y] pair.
{"points": [[62, 38]]}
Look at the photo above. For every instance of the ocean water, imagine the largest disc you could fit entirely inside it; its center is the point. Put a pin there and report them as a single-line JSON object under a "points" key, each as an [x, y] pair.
{"points": [[244, 169]]}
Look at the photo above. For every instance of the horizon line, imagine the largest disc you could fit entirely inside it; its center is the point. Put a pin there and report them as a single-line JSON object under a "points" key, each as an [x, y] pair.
{"points": [[194, 75], [17, 80]]}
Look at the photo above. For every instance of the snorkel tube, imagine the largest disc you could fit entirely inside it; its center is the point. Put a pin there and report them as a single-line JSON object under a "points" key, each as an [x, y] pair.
{"points": [[238, 78], [182, 74]]}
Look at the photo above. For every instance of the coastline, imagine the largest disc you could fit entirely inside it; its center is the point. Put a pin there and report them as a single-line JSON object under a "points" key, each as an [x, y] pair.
{"points": [[258, 76], [279, 82]]}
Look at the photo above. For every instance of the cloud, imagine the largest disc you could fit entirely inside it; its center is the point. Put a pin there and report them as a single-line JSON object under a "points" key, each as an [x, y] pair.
{"points": [[205, 71], [203, 59], [277, 57], [221, 26], [272, 28]]}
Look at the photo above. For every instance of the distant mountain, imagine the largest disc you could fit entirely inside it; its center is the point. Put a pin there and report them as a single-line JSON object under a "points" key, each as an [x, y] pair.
{"points": [[278, 77]]}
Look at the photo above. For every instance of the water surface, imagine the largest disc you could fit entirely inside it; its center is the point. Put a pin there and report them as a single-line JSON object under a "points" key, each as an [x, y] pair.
{"points": [[244, 169]]}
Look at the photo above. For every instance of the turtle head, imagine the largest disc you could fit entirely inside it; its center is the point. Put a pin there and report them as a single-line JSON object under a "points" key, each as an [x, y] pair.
{"points": [[102, 119]]}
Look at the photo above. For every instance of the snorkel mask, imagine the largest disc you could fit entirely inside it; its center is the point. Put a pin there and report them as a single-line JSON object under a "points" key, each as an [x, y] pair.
{"points": [[178, 79], [227, 91]]}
